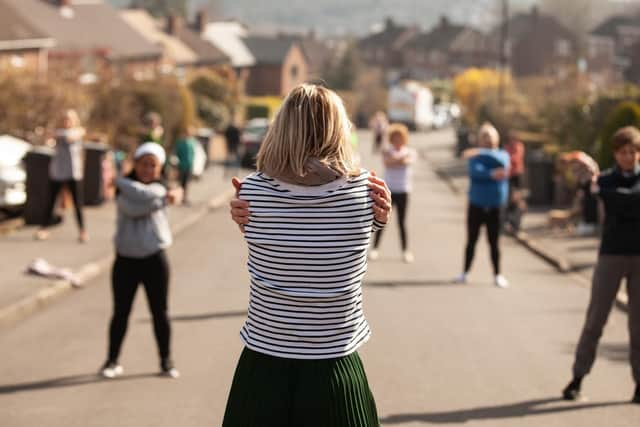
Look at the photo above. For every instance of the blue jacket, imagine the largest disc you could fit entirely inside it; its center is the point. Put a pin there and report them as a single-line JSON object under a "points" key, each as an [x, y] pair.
{"points": [[484, 191]]}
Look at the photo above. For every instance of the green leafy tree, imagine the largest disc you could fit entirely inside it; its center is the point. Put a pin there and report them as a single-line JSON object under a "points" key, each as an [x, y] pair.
{"points": [[215, 98], [625, 114]]}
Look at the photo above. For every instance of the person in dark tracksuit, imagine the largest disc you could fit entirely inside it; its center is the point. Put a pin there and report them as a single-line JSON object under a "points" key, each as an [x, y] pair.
{"points": [[619, 258], [142, 236], [489, 190]]}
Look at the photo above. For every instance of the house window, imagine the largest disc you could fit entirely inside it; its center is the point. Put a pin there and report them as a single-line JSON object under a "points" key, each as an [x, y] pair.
{"points": [[563, 48], [293, 72], [17, 61]]}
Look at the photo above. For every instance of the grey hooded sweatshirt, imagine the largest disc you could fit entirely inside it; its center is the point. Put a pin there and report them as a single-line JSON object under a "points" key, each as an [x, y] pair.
{"points": [[143, 226]]}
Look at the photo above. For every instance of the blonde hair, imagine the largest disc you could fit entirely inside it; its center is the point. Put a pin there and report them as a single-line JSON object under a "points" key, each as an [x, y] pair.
{"points": [[73, 117], [488, 136], [312, 123], [400, 130]]}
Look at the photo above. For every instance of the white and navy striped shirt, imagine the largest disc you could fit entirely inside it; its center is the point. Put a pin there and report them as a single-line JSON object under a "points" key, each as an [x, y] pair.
{"points": [[307, 258]]}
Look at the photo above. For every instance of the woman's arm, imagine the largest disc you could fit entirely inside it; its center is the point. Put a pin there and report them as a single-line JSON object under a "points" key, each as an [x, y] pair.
{"points": [[380, 193], [138, 191], [137, 209]]}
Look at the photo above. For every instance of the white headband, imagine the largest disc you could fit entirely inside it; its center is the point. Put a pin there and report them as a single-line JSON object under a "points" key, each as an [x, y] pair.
{"points": [[152, 148]]}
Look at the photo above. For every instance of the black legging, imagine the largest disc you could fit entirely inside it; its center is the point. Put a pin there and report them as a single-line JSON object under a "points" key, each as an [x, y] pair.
{"points": [[185, 178], [76, 193], [400, 201], [476, 217], [127, 274]]}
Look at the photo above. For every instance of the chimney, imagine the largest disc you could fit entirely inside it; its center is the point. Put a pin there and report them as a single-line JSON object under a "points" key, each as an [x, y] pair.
{"points": [[174, 24], [444, 22], [201, 21], [389, 23], [535, 12]]}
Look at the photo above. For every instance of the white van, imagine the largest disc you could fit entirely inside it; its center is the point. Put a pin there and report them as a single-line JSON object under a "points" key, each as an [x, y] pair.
{"points": [[411, 103]]}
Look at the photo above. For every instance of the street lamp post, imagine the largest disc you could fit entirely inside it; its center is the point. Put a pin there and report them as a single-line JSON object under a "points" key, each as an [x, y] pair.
{"points": [[504, 60]]}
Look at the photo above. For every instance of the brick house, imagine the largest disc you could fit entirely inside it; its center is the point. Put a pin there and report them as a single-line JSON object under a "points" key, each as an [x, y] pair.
{"points": [[385, 48], [22, 46], [610, 47], [90, 39], [538, 45], [280, 66], [447, 50]]}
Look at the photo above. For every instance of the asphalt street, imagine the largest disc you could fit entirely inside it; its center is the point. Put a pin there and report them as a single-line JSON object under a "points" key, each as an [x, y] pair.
{"points": [[440, 353]]}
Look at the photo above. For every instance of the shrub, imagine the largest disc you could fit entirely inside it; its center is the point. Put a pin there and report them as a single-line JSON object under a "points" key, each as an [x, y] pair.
{"points": [[625, 114], [215, 95], [32, 105], [119, 110]]}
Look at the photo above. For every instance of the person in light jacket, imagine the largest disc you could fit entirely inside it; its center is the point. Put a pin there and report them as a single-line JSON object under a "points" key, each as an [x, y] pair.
{"points": [[142, 236], [66, 170]]}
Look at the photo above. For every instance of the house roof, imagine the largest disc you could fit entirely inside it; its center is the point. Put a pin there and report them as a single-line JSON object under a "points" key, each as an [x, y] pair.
{"points": [[206, 51], [87, 26], [17, 33], [609, 28], [229, 38], [439, 38], [387, 37], [524, 24], [148, 27], [269, 50], [316, 52]]}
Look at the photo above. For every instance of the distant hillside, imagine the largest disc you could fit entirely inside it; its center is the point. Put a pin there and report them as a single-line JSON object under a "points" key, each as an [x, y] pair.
{"points": [[337, 17], [348, 16]]}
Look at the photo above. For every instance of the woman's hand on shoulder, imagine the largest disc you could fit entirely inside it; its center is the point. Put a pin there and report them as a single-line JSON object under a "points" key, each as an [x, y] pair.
{"points": [[239, 209], [470, 152], [174, 196], [381, 195]]}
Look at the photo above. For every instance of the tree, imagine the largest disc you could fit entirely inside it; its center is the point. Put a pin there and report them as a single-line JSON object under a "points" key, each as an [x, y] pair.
{"points": [[344, 74], [625, 114], [215, 97], [162, 7], [475, 87]]}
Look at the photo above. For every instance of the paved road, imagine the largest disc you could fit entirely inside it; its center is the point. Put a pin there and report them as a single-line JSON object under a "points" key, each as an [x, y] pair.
{"points": [[440, 353]]}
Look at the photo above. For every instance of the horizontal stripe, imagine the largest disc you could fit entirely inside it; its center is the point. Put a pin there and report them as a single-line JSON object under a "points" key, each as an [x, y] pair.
{"points": [[307, 259]]}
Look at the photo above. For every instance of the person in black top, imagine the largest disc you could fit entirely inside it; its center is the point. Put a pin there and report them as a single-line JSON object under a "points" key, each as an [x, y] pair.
{"points": [[232, 137], [619, 258]]}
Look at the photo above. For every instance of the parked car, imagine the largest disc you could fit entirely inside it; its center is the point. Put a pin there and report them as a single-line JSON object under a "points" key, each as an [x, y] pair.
{"points": [[250, 141], [13, 177]]}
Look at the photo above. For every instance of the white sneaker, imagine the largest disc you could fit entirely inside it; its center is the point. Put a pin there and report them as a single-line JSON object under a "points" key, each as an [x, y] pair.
{"points": [[462, 278], [501, 281], [171, 373], [111, 370], [408, 257], [373, 255]]}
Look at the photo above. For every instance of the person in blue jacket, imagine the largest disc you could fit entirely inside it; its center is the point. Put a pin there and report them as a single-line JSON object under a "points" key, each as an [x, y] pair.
{"points": [[489, 189]]}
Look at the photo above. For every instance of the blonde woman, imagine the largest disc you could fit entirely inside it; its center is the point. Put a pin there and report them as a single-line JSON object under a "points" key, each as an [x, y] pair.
{"points": [[397, 158], [489, 174], [66, 170], [312, 212]]}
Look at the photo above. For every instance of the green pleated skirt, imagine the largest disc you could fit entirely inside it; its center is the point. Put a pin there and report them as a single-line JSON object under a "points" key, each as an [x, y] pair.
{"points": [[272, 391]]}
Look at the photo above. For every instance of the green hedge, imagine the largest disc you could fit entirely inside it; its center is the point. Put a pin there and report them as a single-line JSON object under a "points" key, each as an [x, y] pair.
{"points": [[625, 114]]}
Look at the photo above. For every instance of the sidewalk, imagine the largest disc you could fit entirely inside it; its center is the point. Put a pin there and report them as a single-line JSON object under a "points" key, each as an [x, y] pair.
{"points": [[22, 294], [566, 251]]}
